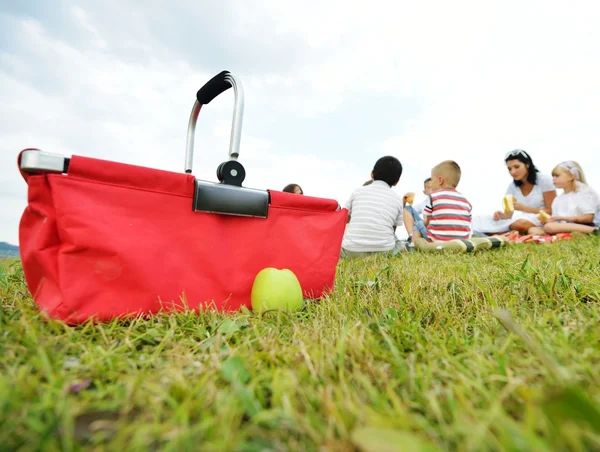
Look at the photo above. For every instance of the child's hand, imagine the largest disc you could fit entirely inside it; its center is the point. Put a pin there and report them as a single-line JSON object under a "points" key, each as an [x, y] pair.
{"points": [[408, 198], [551, 219]]}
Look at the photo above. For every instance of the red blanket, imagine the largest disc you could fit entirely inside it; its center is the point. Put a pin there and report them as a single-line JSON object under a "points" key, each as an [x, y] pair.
{"points": [[515, 237]]}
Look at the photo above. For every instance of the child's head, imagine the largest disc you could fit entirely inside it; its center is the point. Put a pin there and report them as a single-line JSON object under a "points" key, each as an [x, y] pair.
{"points": [[427, 186], [567, 174], [387, 169], [445, 175], [293, 188]]}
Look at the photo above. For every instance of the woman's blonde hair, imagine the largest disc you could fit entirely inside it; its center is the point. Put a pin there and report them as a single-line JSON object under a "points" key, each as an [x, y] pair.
{"points": [[570, 166]]}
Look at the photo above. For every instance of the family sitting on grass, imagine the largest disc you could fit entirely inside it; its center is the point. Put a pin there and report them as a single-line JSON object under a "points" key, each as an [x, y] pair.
{"points": [[444, 219]]}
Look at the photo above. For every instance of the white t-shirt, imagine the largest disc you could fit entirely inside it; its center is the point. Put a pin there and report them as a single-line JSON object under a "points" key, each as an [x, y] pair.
{"points": [[576, 203], [374, 211], [420, 206], [534, 199]]}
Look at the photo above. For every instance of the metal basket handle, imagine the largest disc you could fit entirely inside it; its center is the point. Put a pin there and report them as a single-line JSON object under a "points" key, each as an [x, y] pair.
{"points": [[215, 86]]}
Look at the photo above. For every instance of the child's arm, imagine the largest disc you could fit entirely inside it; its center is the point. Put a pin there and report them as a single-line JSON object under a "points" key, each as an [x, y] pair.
{"points": [[349, 207], [587, 218], [399, 217], [410, 195], [428, 211]]}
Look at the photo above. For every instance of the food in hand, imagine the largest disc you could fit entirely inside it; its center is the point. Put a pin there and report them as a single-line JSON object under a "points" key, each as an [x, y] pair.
{"points": [[543, 216], [410, 198], [509, 203]]}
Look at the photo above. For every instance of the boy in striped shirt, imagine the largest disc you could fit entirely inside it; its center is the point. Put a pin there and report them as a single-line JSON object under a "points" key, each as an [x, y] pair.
{"points": [[448, 212]]}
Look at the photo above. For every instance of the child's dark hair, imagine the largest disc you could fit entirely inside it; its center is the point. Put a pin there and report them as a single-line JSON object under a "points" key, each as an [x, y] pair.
{"points": [[291, 188], [387, 169], [525, 158], [426, 180]]}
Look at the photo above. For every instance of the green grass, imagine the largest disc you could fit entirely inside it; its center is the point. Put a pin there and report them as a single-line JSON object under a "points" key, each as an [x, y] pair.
{"points": [[407, 351]]}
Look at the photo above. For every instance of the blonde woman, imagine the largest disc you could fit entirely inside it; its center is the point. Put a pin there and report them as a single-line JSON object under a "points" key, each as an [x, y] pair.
{"points": [[576, 210]]}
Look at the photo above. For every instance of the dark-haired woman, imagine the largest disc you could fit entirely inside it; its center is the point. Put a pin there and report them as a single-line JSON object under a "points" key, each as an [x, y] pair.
{"points": [[293, 188], [533, 192]]}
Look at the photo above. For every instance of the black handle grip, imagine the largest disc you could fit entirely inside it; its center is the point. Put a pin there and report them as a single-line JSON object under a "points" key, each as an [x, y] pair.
{"points": [[215, 86]]}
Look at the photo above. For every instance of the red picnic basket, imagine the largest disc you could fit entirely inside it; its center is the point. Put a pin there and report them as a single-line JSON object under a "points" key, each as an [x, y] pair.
{"points": [[101, 239]]}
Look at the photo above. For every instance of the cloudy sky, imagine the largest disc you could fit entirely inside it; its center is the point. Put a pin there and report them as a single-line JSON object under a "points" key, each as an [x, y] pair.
{"points": [[330, 86]]}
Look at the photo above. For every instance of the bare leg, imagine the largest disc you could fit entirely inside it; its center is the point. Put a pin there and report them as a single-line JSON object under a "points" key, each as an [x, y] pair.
{"points": [[536, 231], [409, 222], [555, 228], [416, 235], [522, 226]]}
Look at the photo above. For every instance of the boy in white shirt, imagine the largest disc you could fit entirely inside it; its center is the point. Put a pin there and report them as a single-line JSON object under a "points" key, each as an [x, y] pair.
{"points": [[412, 213], [375, 211]]}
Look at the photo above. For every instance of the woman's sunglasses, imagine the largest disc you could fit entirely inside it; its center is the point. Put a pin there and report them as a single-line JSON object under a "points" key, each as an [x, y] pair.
{"points": [[517, 152]]}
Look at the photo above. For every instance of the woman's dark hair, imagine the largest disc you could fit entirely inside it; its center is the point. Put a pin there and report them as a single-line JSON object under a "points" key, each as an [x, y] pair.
{"points": [[523, 157], [291, 188]]}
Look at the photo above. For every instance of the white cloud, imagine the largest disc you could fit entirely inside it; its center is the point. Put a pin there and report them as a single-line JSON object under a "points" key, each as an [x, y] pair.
{"points": [[481, 78], [136, 114], [84, 22]]}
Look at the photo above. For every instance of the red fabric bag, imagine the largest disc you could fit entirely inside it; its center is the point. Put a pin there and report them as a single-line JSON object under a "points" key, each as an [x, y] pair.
{"points": [[104, 239]]}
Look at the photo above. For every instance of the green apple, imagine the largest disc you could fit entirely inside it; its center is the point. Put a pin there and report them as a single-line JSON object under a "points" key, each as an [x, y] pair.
{"points": [[276, 289]]}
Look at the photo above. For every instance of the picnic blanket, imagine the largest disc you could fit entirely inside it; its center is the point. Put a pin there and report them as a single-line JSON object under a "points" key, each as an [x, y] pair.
{"points": [[515, 237]]}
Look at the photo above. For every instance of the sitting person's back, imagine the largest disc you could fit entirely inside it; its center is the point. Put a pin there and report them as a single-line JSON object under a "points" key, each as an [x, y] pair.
{"points": [[448, 212], [375, 212]]}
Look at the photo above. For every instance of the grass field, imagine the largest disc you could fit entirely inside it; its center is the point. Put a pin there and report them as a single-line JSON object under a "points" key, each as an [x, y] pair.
{"points": [[409, 353]]}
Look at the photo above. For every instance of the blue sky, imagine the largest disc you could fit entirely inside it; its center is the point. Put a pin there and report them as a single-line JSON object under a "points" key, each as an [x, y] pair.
{"points": [[330, 86]]}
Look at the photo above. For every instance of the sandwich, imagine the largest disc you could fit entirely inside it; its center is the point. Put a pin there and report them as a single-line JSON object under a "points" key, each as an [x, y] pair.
{"points": [[543, 216], [509, 203]]}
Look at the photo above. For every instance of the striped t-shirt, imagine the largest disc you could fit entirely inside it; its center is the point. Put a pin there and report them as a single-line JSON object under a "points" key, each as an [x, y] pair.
{"points": [[374, 211], [450, 214]]}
